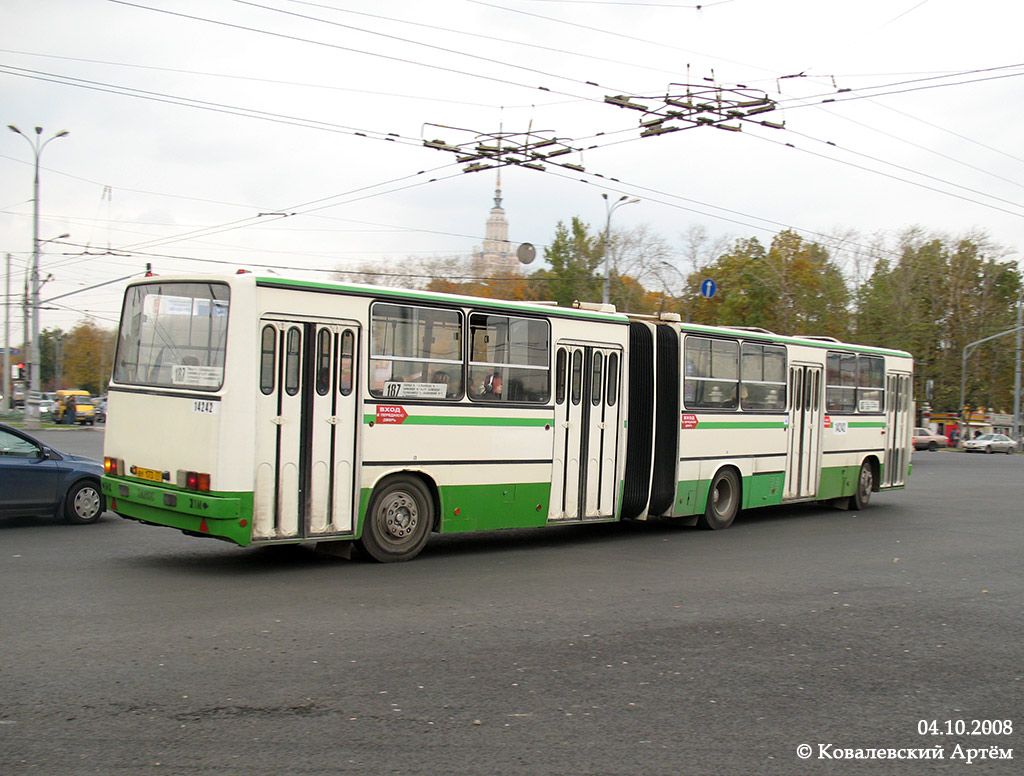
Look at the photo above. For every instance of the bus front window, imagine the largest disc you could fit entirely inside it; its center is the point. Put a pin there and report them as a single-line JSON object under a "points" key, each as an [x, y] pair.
{"points": [[173, 335]]}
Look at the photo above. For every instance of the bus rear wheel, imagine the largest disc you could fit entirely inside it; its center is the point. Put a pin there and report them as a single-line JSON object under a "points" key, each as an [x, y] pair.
{"points": [[865, 484], [399, 519], [723, 501]]}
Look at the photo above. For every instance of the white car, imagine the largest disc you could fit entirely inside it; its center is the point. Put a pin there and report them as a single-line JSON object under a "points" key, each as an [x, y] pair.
{"points": [[990, 443]]}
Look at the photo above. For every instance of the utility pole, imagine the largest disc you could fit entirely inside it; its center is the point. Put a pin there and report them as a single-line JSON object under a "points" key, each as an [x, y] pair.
{"points": [[7, 337], [32, 399], [609, 209], [1016, 370]]}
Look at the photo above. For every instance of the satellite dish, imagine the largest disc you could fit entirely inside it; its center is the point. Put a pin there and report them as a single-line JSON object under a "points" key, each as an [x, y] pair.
{"points": [[526, 253]]}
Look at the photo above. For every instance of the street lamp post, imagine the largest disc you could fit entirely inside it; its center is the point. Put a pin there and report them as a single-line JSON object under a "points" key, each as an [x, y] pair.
{"points": [[37, 144], [610, 207]]}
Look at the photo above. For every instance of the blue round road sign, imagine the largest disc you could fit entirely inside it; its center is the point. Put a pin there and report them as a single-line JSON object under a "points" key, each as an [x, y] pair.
{"points": [[708, 288]]}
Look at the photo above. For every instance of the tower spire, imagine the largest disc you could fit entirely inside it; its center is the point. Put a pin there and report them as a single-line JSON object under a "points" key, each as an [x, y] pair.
{"points": [[496, 255]]}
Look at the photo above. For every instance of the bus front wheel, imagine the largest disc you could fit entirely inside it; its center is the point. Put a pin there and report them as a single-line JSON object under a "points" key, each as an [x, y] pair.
{"points": [[398, 521], [723, 501]]}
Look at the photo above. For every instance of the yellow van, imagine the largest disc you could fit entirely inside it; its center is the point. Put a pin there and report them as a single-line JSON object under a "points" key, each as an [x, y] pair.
{"points": [[85, 411]]}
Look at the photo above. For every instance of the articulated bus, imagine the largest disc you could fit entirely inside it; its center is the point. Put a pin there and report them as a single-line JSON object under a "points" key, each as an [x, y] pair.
{"points": [[263, 410]]}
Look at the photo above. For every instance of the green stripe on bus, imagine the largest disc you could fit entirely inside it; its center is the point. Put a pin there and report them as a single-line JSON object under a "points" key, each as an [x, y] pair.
{"points": [[440, 420], [740, 424], [867, 424]]}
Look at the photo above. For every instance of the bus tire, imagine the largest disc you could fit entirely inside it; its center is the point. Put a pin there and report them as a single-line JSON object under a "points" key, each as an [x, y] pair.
{"points": [[723, 501], [398, 521], [865, 484]]}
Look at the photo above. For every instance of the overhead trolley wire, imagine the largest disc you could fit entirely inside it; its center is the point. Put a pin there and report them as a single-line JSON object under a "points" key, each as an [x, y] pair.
{"points": [[481, 36], [431, 46], [339, 47]]}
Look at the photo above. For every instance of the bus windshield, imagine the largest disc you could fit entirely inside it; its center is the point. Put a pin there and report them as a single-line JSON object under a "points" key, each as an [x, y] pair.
{"points": [[173, 335]]}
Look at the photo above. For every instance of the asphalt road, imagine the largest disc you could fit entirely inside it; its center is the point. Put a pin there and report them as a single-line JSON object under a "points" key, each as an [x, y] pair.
{"points": [[629, 649]]}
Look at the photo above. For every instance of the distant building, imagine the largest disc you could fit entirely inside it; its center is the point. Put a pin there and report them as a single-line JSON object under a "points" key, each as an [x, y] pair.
{"points": [[496, 257]]}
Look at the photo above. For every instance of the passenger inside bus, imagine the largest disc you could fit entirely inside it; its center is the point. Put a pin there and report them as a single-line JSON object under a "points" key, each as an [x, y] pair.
{"points": [[445, 379], [493, 385]]}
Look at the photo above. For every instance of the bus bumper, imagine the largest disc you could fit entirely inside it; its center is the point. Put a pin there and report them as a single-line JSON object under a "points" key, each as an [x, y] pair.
{"points": [[225, 516]]}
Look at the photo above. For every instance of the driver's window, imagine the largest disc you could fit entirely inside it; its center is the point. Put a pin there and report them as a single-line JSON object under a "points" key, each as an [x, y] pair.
{"points": [[15, 447]]}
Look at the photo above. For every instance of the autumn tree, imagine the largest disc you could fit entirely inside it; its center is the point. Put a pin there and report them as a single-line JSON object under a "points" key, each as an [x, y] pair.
{"points": [[936, 295], [88, 355], [792, 287], [637, 259]]}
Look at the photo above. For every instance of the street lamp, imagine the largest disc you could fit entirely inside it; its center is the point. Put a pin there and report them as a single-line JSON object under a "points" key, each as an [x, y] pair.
{"points": [[37, 145], [611, 207]]}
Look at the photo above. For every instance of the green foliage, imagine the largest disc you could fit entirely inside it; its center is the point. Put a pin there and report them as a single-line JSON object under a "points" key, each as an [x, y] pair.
{"points": [[791, 288], [575, 258], [49, 348], [88, 355], [937, 297]]}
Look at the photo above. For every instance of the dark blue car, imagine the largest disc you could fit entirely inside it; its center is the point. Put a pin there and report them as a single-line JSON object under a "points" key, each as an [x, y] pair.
{"points": [[38, 480]]}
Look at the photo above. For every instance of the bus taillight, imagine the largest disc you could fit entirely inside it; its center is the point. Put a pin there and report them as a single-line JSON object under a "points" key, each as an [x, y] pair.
{"points": [[113, 465], [193, 480]]}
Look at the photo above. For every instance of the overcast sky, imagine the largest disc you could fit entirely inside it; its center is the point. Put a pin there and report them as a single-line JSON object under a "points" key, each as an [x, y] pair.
{"points": [[192, 121]]}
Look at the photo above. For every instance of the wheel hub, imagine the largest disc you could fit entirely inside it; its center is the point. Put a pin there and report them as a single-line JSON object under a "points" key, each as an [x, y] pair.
{"points": [[400, 516], [87, 502]]}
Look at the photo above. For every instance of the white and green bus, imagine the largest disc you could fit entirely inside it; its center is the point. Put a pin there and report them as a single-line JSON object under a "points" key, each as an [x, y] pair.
{"points": [[264, 410]]}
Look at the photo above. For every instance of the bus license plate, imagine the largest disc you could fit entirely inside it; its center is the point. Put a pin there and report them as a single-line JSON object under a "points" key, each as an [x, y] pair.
{"points": [[149, 474]]}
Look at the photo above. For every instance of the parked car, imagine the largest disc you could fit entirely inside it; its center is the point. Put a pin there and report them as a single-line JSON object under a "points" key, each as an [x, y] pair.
{"points": [[990, 443], [38, 480], [928, 440], [85, 412]]}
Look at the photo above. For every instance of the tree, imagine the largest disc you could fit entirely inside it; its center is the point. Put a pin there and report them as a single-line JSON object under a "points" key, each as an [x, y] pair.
{"points": [[50, 344], [793, 287], [938, 295], [88, 355], [638, 256], [575, 259], [811, 293]]}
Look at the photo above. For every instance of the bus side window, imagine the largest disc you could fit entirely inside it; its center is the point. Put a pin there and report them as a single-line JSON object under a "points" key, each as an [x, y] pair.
{"points": [[577, 376], [612, 394], [292, 361], [348, 341], [268, 359], [561, 369], [597, 384], [323, 362]]}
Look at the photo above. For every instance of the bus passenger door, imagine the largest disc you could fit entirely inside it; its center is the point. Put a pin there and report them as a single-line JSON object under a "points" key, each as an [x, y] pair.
{"points": [[331, 430], [306, 429], [897, 426], [803, 456], [584, 481]]}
